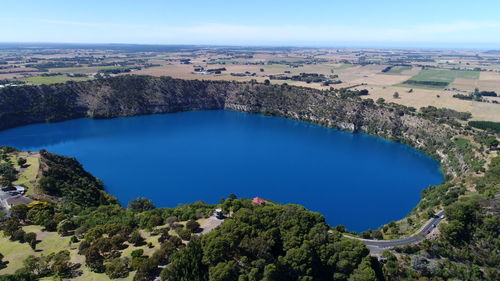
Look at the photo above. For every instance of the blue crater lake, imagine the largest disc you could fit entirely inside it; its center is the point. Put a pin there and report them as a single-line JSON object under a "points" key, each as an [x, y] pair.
{"points": [[356, 180]]}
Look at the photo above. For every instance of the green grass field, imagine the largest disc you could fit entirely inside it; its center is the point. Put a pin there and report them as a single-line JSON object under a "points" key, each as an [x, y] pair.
{"points": [[15, 253], [28, 176], [398, 69], [124, 67], [287, 59], [83, 70], [50, 242], [47, 80], [444, 76], [343, 66]]}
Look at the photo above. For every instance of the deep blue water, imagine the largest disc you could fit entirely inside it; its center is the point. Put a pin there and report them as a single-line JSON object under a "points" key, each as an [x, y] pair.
{"points": [[353, 179]]}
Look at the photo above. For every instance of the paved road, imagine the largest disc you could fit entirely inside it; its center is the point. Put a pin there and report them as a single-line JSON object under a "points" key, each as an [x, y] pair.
{"points": [[377, 246], [210, 224]]}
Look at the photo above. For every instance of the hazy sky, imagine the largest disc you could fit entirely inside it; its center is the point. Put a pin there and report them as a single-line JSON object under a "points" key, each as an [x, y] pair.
{"points": [[446, 23]]}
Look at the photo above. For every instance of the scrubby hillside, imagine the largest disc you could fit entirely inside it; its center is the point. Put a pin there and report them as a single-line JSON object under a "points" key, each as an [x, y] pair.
{"points": [[64, 180]]}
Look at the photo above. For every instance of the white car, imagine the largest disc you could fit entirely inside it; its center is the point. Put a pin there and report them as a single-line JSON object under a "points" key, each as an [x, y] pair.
{"points": [[442, 216]]}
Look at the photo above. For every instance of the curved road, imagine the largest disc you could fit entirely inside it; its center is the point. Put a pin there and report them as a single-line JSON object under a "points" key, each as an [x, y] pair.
{"points": [[378, 246]]}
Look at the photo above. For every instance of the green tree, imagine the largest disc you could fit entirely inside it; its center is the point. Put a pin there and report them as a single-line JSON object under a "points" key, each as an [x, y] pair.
{"points": [[38, 266], [270, 273], [136, 238], [137, 253], [8, 171], [184, 234], [21, 162], [491, 141], [117, 268], [64, 227], [2, 263], [186, 264], [391, 266], [141, 204], [30, 238], [364, 272], [18, 235], [10, 227], [61, 265], [224, 271], [171, 220], [192, 226], [146, 270], [94, 260], [19, 212]]}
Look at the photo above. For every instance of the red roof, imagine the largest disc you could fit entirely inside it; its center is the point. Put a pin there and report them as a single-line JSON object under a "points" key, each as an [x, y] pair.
{"points": [[259, 201]]}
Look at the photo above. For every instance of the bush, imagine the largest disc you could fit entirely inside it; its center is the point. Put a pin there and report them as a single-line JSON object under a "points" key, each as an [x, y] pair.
{"points": [[30, 238], [193, 226], [64, 227], [141, 204], [18, 235], [136, 238], [184, 234], [137, 253]]}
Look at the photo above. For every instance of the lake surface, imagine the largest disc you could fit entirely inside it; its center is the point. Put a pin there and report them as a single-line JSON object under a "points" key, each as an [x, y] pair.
{"points": [[353, 179]]}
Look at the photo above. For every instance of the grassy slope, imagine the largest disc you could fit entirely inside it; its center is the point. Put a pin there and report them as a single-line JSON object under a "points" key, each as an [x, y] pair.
{"points": [[28, 176], [16, 252]]}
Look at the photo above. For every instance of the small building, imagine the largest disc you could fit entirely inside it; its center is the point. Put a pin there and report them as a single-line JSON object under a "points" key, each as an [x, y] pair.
{"points": [[259, 201], [20, 189], [17, 188], [17, 200], [218, 214]]}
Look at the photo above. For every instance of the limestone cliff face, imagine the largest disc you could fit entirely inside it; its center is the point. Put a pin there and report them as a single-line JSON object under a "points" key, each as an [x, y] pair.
{"points": [[138, 95]]}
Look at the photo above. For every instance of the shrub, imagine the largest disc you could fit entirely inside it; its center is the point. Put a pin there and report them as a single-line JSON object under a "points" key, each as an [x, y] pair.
{"points": [[137, 253], [184, 234], [136, 238], [192, 226]]}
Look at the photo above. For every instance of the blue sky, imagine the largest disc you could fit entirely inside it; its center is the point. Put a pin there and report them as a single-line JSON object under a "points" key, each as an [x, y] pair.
{"points": [[459, 23]]}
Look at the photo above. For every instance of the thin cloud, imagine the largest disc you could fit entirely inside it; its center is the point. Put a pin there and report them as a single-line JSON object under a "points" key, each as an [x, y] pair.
{"points": [[215, 33], [447, 31]]}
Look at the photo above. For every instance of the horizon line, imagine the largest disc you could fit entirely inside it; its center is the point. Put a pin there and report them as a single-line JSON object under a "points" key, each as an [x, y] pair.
{"points": [[310, 45]]}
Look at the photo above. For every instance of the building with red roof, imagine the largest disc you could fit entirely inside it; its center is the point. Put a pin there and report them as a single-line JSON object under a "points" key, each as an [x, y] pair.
{"points": [[259, 201]]}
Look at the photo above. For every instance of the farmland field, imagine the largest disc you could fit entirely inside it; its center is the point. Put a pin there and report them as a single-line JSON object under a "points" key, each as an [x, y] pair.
{"points": [[398, 69], [437, 78], [444, 75], [46, 80], [343, 66], [433, 80], [85, 69]]}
